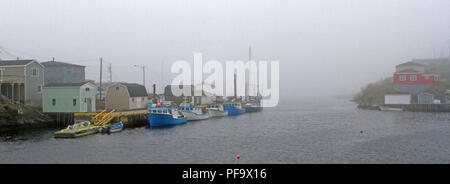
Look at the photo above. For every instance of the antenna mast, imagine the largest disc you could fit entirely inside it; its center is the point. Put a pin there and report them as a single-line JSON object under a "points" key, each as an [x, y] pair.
{"points": [[110, 72]]}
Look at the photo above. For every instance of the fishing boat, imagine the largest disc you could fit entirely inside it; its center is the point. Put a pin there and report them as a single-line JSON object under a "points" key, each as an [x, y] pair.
{"points": [[112, 128], [216, 110], [253, 107], [77, 130], [233, 108], [193, 113], [161, 116]]}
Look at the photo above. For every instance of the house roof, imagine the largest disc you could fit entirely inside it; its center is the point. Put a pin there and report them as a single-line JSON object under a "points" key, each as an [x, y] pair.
{"points": [[15, 62], [408, 71], [410, 63], [78, 84], [426, 61], [58, 63], [135, 90]]}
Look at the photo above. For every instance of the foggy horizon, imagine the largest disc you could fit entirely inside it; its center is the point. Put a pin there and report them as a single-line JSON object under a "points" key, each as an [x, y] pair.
{"points": [[324, 49]]}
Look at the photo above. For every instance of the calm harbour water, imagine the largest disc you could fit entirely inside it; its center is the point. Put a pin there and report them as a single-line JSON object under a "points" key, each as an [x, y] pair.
{"points": [[314, 131]]}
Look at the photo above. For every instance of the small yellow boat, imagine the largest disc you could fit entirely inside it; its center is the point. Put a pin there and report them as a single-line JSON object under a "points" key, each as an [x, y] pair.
{"points": [[77, 130]]}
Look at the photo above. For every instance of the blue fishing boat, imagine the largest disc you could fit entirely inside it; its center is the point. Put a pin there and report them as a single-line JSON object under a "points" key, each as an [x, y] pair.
{"points": [[161, 116], [233, 108]]}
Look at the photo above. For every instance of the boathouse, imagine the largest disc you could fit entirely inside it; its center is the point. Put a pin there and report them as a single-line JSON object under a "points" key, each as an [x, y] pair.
{"points": [[126, 96], [22, 80], [68, 97]]}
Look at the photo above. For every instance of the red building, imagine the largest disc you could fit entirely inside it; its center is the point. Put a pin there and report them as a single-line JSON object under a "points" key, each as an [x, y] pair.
{"points": [[414, 77], [413, 73]]}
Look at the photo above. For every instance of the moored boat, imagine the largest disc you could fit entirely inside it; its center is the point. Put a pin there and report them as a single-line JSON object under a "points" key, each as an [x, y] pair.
{"points": [[216, 110], [112, 128], [161, 116], [193, 113], [77, 130], [253, 107], [233, 108]]}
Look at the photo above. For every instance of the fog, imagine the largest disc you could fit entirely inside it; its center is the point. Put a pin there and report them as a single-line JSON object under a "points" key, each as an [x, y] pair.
{"points": [[326, 47]]}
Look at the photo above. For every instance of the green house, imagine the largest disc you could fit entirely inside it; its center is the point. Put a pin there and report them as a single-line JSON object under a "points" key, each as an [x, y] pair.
{"points": [[68, 97]]}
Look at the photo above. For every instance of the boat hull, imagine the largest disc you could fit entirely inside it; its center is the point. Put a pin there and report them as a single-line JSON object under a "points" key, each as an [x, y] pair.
{"points": [[75, 134], [116, 127], [164, 120], [217, 113], [195, 117], [233, 111], [253, 109]]}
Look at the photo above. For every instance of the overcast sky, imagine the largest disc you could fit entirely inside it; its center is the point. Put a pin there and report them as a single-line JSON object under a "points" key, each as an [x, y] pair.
{"points": [[325, 47]]}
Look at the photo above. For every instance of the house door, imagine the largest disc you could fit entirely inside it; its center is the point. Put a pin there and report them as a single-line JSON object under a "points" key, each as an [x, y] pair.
{"points": [[89, 104]]}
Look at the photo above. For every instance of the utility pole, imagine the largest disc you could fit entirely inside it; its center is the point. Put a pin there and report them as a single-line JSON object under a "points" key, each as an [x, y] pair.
{"points": [[162, 76], [143, 73], [100, 89], [110, 72]]}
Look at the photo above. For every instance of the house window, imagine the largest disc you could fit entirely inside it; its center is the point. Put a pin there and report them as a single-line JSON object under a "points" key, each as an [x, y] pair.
{"points": [[39, 88], [436, 78], [402, 78], [53, 102], [85, 100], [132, 99], [413, 78], [117, 88], [142, 99], [74, 102], [87, 89], [34, 72], [1, 74]]}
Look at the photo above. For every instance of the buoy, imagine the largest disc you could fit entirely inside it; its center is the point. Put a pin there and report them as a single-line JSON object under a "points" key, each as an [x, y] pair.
{"points": [[158, 104], [238, 156]]}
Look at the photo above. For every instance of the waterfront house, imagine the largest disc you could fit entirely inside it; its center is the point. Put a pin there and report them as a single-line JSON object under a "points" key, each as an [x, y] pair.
{"points": [[22, 81], [410, 77], [126, 96], [411, 65], [69, 97], [60, 72]]}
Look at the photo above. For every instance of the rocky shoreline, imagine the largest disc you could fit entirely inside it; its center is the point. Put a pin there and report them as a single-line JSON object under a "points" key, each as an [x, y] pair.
{"points": [[17, 117]]}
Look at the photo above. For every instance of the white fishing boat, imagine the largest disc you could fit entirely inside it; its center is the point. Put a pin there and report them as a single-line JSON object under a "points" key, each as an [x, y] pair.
{"points": [[193, 113], [216, 110]]}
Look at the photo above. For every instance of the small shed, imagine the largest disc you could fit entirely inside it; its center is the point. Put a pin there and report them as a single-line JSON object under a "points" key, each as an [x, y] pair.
{"points": [[126, 96], [425, 98], [68, 97], [397, 99]]}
